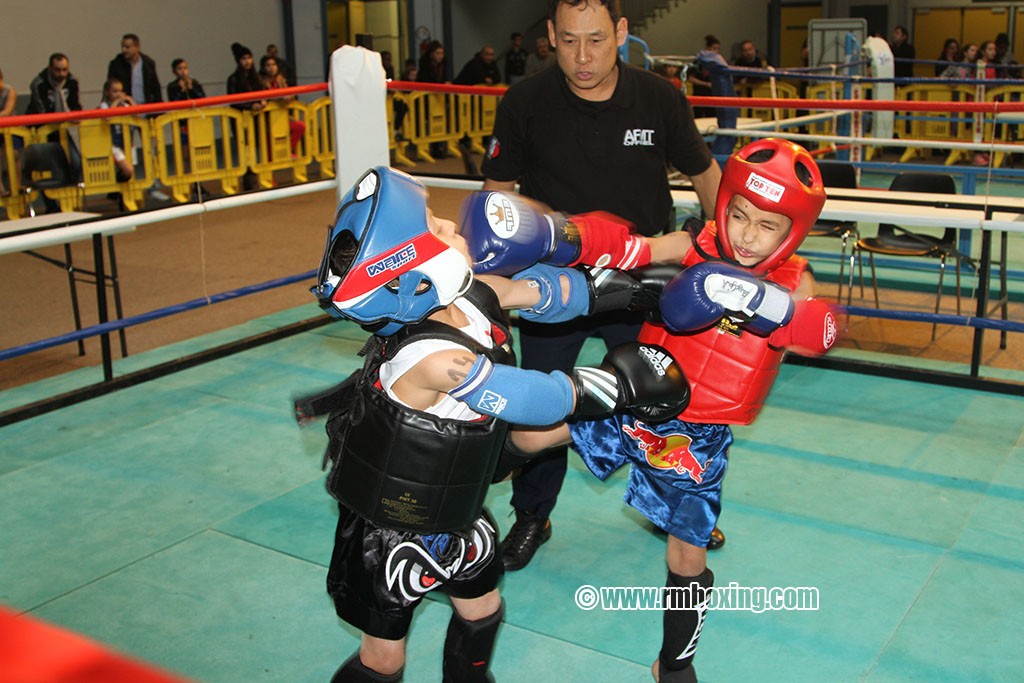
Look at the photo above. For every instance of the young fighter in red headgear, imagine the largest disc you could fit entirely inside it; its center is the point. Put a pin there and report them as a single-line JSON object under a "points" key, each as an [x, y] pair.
{"points": [[727, 318]]}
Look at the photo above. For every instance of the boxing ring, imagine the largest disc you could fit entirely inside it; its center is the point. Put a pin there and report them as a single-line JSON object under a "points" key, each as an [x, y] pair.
{"points": [[990, 217], [175, 502]]}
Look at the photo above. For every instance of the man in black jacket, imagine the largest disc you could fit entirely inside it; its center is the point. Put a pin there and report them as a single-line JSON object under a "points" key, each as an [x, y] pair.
{"points": [[54, 89], [136, 71], [481, 70]]}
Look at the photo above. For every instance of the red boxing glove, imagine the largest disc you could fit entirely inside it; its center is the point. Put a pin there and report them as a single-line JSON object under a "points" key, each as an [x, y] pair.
{"points": [[811, 332], [609, 242]]}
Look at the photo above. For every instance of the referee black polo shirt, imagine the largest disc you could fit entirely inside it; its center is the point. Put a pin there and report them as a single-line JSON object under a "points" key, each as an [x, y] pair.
{"points": [[578, 156]]}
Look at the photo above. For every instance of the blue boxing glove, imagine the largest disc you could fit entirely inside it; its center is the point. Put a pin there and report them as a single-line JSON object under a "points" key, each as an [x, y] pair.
{"points": [[702, 294], [507, 232]]}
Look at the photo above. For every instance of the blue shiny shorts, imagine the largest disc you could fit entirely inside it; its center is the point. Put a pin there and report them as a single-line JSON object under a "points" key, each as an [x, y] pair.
{"points": [[676, 472]]}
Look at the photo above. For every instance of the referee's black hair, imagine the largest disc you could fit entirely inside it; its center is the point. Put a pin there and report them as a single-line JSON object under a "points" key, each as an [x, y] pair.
{"points": [[614, 7]]}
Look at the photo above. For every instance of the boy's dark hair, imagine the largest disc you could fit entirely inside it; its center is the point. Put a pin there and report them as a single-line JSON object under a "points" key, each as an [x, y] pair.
{"points": [[176, 62], [132, 37], [515, 34], [614, 7], [343, 252], [56, 57]]}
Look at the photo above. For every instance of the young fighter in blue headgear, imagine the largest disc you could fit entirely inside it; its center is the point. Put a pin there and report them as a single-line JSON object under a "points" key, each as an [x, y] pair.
{"points": [[416, 434]]}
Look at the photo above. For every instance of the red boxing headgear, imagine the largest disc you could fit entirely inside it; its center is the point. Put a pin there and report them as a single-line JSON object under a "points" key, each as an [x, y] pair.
{"points": [[773, 184]]}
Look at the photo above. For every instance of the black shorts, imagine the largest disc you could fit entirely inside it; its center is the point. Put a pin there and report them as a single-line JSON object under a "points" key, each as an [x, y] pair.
{"points": [[378, 575]]}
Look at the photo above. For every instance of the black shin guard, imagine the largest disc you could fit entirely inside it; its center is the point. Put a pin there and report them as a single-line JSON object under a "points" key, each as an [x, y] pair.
{"points": [[354, 671], [686, 605], [468, 648]]}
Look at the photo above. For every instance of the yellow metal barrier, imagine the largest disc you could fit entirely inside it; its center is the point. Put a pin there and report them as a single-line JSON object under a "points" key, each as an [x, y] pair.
{"points": [[69, 198], [941, 125], [270, 141], [1009, 128], [99, 170], [200, 145], [430, 121], [399, 127], [12, 140], [782, 90], [321, 133], [477, 121]]}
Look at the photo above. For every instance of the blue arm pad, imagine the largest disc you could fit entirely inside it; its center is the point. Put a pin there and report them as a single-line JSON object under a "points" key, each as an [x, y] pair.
{"points": [[526, 397], [550, 309]]}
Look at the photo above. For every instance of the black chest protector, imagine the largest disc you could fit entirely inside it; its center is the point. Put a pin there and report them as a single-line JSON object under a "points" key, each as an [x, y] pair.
{"points": [[406, 469]]}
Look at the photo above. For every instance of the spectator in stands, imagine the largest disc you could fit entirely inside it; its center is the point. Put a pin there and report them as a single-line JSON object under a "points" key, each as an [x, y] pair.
{"points": [[515, 59], [389, 68], [1005, 57], [282, 65], [115, 96], [245, 78], [8, 98], [698, 76], [670, 72], [409, 70], [950, 53], [183, 87], [902, 50], [749, 58], [136, 71], [987, 54], [966, 64], [272, 80], [54, 89], [433, 67], [482, 69], [541, 58]]}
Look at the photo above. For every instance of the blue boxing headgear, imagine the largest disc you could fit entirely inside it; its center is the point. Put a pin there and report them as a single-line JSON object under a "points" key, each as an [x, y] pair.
{"points": [[401, 272]]}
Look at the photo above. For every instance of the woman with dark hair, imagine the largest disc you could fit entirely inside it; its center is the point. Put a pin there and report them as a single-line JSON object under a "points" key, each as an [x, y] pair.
{"points": [[245, 78], [273, 79], [967, 63], [950, 53], [433, 67]]}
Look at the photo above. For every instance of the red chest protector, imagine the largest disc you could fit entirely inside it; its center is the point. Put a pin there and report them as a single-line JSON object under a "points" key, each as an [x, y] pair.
{"points": [[730, 369]]}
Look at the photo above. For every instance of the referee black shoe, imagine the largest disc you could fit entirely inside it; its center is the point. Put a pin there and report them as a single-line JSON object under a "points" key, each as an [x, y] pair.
{"points": [[526, 535], [717, 539]]}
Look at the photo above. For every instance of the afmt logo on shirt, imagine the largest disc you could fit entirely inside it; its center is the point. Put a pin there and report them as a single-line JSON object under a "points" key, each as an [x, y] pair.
{"points": [[492, 403], [643, 137], [760, 185], [392, 262]]}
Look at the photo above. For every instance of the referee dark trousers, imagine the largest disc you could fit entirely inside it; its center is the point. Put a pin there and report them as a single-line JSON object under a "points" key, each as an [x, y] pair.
{"points": [[556, 347]]}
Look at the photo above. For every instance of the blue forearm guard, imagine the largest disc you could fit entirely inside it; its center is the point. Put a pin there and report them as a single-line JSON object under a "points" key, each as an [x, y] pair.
{"points": [[527, 397]]}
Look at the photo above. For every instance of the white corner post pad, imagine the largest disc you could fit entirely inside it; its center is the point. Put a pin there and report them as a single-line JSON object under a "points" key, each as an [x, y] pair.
{"points": [[358, 92]]}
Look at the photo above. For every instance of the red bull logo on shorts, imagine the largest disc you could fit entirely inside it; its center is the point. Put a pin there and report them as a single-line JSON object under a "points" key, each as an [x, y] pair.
{"points": [[669, 452]]}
